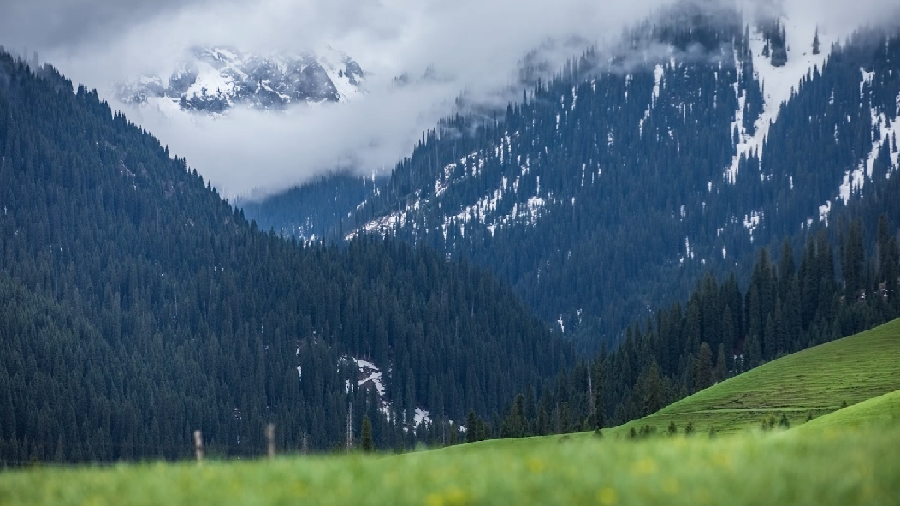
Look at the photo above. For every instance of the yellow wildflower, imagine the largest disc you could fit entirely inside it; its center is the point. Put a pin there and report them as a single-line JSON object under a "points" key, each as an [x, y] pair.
{"points": [[644, 466], [434, 500], [535, 465], [607, 496], [670, 486]]}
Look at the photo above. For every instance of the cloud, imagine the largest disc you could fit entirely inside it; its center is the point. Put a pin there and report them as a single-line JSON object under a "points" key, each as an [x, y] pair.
{"points": [[474, 45]]}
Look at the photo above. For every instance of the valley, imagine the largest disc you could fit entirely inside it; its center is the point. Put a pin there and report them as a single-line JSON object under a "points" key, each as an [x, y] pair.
{"points": [[657, 266]]}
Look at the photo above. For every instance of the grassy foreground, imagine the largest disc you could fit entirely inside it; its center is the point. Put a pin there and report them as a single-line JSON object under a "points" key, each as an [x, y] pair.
{"points": [[841, 469]]}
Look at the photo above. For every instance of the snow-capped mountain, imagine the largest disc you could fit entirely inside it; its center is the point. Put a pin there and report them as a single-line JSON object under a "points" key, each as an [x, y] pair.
{"points": [[610, 189], [214, 79]]}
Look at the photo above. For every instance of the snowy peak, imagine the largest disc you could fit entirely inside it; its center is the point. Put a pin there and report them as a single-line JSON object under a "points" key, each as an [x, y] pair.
{"points": [[215, 79]]}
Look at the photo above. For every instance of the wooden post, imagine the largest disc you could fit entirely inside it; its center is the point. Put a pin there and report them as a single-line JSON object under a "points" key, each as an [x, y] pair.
{"points": [[270, 435], [198, 445]]}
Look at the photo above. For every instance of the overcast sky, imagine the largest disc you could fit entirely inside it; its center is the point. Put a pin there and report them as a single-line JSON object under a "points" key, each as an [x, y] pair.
{"points": [[474, 44]]}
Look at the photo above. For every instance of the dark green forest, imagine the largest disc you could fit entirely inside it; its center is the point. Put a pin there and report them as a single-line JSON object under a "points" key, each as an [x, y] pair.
{"points": [[314, 211], [137, 306], [792, 303]]}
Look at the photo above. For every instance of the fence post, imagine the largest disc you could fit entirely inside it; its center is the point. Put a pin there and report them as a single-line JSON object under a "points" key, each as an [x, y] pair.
{"points": [[270, 435], [198, 446]]}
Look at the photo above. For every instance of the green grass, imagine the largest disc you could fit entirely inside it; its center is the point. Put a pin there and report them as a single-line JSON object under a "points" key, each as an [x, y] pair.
{"points": [[846, 457], [874, 413], [818, 380], [803, 469]]}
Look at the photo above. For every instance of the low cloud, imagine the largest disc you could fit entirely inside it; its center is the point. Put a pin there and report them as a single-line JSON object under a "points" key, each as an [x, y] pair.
{"points": [[475, 46]]}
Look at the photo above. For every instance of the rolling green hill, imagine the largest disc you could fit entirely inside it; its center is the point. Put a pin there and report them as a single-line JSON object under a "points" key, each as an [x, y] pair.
{"points": [[876, 412], [815, 381]]}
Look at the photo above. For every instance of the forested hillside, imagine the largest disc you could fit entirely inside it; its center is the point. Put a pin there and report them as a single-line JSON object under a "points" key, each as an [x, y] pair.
{"points": [[612, 188], [794, 301], [314, 211], [137, 306]]}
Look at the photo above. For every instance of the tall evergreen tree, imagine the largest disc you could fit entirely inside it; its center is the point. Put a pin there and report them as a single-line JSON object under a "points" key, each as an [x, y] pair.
{"points": [[368, 445]]}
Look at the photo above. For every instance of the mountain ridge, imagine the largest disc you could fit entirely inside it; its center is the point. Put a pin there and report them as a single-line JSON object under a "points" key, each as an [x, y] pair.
{"points": [[688, 162], [213, 79]]}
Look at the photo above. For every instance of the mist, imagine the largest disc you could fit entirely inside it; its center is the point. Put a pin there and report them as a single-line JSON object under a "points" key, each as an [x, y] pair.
{"points": [[474, 46]]}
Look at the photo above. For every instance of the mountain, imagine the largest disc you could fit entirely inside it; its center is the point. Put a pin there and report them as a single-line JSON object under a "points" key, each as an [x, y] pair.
{"points": [[314, 210], [611, 188], [215, 79], [139, 306]]}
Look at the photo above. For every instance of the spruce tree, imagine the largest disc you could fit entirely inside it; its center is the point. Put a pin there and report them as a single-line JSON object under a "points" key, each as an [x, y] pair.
{"points": [[704, 376], [368, 445], [597, 403], [471, 427], [721, 367]]}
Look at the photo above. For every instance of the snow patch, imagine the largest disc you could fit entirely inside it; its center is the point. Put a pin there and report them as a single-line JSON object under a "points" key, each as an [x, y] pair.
{"points": [[824, 210], [369, 374], [658, 73], [855, 180], [751, 223], [422, 417], [777, 83]]}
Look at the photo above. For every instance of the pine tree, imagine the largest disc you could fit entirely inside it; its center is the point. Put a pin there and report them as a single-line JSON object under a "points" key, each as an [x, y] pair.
{"points": [[815, 45], [471, 427], [454, 435], [888, 258], [752, 350], [654, 390], [704, 376], [852, 259], [597, 402], [721, 368], [368, 445]]}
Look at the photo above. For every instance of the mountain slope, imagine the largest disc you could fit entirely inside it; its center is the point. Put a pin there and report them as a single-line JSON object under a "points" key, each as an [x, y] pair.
{"points": [[316, 210], [610, 189], [177, 314]]}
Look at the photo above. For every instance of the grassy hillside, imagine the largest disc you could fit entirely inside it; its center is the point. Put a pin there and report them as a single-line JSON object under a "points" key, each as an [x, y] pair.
{"points": [[877, 412], [815, 381], [849, 468]]}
